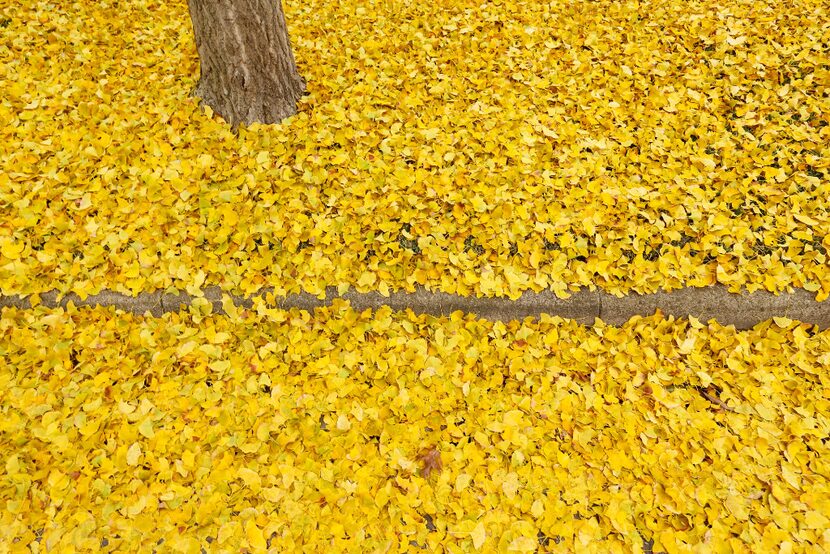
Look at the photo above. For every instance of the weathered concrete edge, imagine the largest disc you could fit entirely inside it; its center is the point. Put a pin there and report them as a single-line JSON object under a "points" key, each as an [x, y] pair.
{"points": [[705, 303]]}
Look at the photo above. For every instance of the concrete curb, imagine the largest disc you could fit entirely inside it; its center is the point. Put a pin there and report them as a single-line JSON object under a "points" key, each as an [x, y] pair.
{"points": [[706, 303]]}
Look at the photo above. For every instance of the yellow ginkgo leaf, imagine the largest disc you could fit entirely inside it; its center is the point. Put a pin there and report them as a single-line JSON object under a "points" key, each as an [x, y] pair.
{"points": [[479, 535], [255, 537], [133, 454]]}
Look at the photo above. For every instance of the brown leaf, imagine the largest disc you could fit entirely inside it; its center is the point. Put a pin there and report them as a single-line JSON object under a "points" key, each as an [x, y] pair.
{"points": [[430, 460]]}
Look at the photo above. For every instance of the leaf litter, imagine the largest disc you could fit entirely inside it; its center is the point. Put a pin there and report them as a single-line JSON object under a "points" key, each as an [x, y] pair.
{"points": [[289, 430], [474, 148]]}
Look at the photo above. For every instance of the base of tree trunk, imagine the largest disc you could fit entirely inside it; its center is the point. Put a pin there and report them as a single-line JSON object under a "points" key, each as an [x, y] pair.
{"points": [[247, 69]]}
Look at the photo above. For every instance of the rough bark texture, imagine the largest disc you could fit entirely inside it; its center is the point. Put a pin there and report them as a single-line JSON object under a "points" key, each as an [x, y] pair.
{"points": [[248, 72]]}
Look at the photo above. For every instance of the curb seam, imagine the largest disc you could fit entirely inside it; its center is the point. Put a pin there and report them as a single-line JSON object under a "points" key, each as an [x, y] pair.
{"points": [[704, 303]]}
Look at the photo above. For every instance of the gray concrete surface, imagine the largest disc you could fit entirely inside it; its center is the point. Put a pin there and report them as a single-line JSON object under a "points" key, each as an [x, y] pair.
{"points": [[714, 302]]}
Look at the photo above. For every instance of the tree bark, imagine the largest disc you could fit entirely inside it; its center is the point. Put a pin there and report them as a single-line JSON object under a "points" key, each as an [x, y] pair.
{"points": [[247, 69]]}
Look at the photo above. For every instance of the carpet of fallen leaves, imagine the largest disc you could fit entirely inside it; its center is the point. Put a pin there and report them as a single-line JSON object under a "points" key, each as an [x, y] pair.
{"points": [[472, 147], [379, 431]]}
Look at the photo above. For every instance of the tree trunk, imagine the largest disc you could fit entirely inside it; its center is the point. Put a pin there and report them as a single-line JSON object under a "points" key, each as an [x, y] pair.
{"points": [[248, 73]]}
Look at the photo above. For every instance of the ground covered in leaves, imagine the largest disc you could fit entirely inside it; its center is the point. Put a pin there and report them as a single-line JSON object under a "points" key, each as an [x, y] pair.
{"points": [[472, 147], [386, 431]]}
